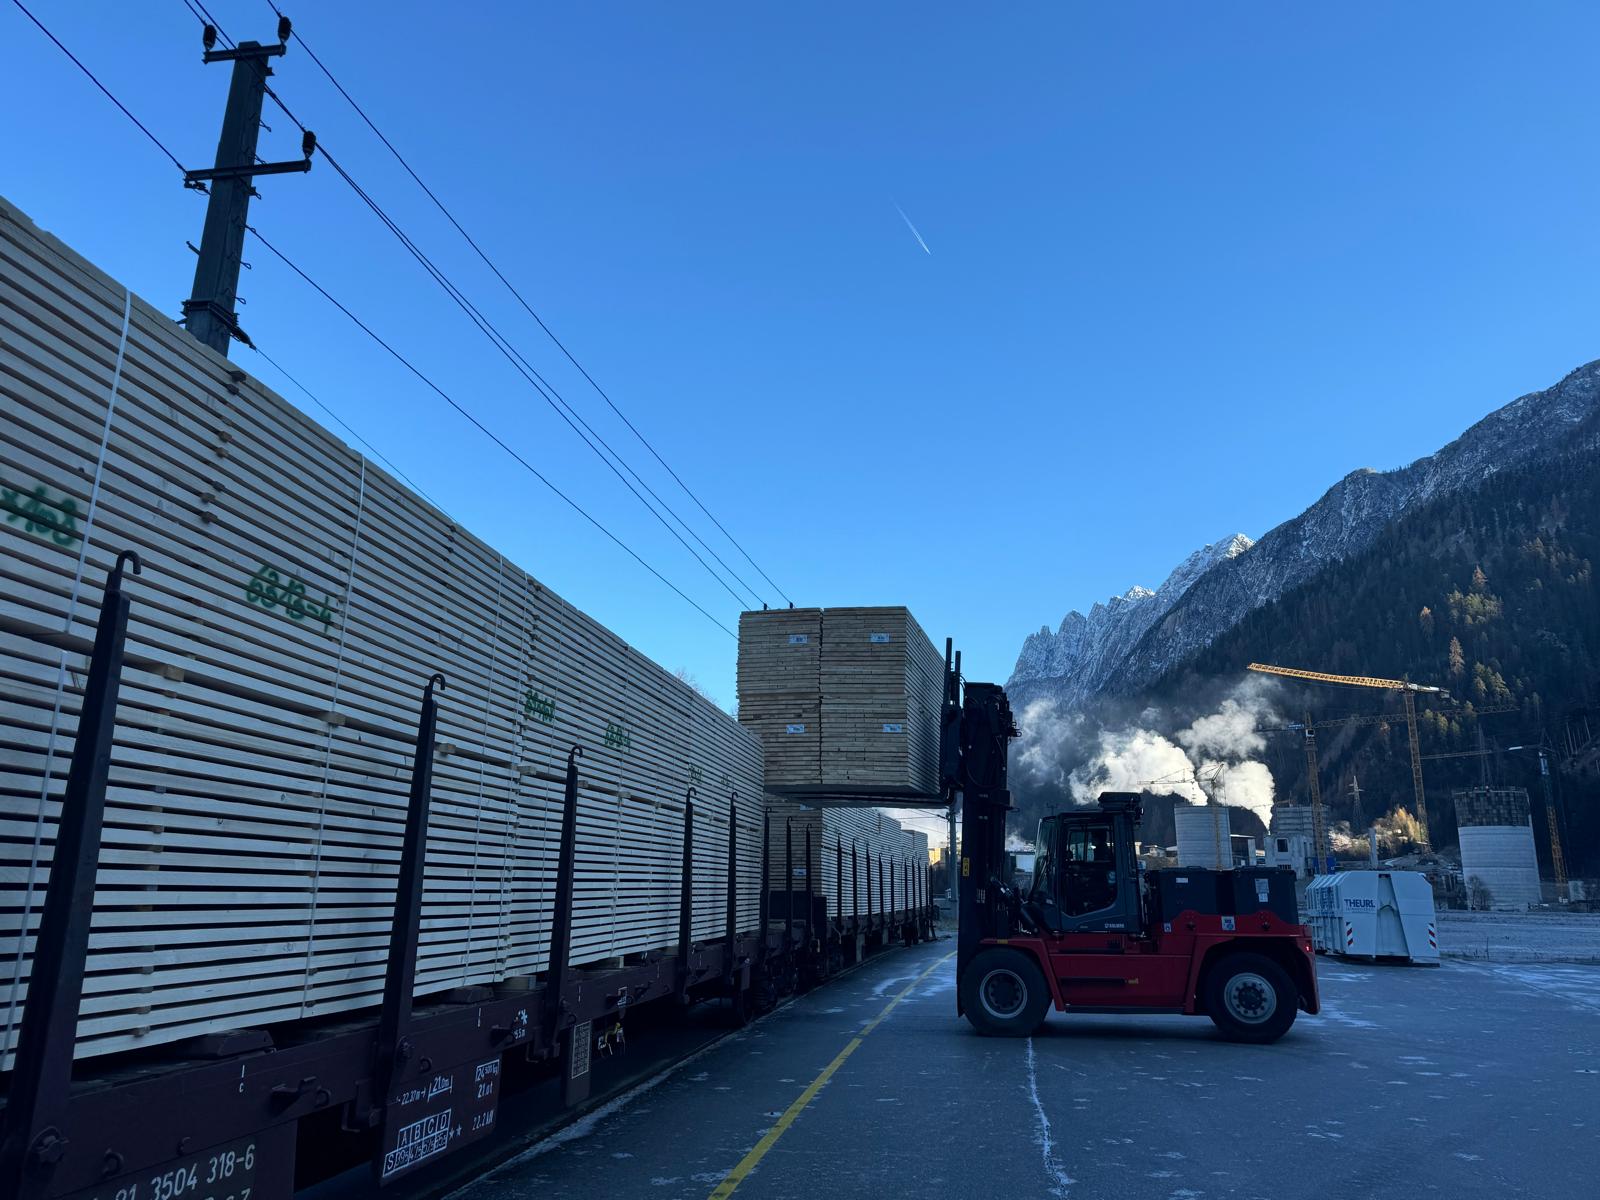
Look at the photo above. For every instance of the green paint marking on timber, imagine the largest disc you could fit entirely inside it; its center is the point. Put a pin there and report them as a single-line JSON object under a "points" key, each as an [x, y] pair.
{"points": [[617, 736], [539, 707], [41, 516], [285, 594]]}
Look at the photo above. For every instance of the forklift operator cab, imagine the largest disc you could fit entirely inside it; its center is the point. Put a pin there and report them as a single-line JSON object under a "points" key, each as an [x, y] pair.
{"points": [[1086, 879]]}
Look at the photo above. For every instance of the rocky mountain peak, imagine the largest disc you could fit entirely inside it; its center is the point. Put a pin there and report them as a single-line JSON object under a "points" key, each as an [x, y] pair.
{"points": [[1134, 638]]}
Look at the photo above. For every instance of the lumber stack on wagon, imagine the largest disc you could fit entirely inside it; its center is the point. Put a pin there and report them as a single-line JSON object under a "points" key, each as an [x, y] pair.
{"points": [[294, 601], [845, 700], [846, 848], [919, 858]]}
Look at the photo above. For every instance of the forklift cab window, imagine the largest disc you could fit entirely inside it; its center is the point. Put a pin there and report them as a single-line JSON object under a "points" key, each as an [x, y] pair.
{"points": [[1089, 870]]}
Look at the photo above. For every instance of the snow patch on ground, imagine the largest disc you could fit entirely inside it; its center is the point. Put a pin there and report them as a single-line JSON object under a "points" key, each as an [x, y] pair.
{"points": [[1520, 937], [883, 985], [1060, 1181], [1579, 988], [1334, 1013]]}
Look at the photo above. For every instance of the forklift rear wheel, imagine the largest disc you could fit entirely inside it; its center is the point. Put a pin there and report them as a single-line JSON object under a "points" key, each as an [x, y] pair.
{"points": [[1004, 994], [1250, 998]]}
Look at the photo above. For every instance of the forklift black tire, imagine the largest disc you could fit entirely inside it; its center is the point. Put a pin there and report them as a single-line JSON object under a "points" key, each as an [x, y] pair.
{"points": [[1250, 998], [1004, 994]]}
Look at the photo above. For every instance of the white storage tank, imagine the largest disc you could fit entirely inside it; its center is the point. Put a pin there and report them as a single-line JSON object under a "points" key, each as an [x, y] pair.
{"points": [[1204, 836], [1373, 914], [1497, 848]]}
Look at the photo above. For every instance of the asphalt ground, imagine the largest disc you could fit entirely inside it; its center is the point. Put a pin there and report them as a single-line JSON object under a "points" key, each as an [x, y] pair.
{"points": [[1464, 1080]]}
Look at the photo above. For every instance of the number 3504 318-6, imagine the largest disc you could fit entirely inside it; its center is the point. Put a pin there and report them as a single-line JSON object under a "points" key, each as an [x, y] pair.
{"points": [[221, 1176]]}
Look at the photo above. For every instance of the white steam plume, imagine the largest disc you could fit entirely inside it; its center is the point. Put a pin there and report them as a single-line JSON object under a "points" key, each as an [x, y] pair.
{"points": [[1214, 756], [1132, 760]]}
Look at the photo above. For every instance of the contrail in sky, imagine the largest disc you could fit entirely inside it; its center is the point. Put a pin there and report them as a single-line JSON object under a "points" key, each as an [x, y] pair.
{"points": [[913, 229]]}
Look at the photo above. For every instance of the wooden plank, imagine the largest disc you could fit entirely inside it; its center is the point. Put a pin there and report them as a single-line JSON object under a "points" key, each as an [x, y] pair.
{"points": [[263, 750]]}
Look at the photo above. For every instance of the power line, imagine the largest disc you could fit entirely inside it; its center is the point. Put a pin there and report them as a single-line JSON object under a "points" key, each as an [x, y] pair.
{"points": [[528, 308], [209, 19], [485, 430], [103, 88], [547, 391], [396, 354], [523, 367], [343, 424]]}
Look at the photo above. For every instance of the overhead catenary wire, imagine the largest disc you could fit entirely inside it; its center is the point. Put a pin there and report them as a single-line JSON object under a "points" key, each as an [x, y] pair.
{"points": [[485, 430], [405, 362], [529, 309], [587, 434], [208, 18], [343, 424], [529, 373], [94, 79]]}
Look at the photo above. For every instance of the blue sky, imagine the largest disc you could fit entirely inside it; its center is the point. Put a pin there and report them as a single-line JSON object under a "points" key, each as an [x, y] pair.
{"points": [[1190, 264]]}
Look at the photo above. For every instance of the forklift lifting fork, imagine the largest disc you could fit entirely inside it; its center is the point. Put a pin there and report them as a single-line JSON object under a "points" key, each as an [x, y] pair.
{"points": [[1093, 934]]}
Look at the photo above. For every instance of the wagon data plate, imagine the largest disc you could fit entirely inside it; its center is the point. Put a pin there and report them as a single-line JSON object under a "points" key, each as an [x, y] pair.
{"points": [[434, 1115], [258, 1167]]}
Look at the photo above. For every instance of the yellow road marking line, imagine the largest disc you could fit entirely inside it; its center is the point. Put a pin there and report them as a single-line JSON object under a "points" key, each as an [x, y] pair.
{"points": [[770, 1138]]}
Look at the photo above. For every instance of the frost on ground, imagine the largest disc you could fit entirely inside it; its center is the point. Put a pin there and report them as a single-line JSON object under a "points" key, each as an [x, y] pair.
{"points": [[1520, 937], [1573, 985], [1060, 1180]]}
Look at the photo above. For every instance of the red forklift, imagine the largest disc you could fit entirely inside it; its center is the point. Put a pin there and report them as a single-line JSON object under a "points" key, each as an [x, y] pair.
{"points": [[1092, 932]]}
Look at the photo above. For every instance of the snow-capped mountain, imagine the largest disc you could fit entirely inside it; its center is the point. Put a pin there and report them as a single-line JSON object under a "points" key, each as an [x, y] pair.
{"points": [[1081, 656], [1135, 638]]}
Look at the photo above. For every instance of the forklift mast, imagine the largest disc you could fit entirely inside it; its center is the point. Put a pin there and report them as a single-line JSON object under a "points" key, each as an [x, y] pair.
{"points": [[978, 729]]}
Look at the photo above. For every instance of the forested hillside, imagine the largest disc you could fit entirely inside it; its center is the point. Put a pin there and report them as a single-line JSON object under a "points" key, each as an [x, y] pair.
{"points": [[1489, 593]]}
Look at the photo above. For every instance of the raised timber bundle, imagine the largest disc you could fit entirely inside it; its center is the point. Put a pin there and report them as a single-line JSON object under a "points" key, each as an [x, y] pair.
{"points": [[845, 700], [294, 601]]}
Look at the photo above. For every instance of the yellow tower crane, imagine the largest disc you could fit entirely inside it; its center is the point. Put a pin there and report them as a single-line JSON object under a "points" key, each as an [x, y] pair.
{"points": [[1408, 692], [1308, 730]]}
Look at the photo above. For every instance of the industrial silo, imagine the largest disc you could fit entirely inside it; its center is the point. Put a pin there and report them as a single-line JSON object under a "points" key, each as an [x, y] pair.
{"points": [[1203, 836], [1497, 846]]}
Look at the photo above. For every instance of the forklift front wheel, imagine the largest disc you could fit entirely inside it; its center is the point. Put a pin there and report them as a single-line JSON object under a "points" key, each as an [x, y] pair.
{"points": [[1004, 994], [1250, 998]]}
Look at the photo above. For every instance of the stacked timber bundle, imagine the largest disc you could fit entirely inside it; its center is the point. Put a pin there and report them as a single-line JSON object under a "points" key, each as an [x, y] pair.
{"points": [[859, 857], [857, 714], [779, 652], [293, 602], [919, 858], [881, 682]]}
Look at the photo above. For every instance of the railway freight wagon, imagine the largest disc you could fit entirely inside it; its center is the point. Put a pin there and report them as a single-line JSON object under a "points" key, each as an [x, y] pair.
{"points": [[856, 870], [293, 601]]}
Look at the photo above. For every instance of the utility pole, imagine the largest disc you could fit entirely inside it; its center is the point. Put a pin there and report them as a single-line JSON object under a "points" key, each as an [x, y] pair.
{"points": [[1319, 833], [1558, 861], [209, 312], [950, 857]]}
